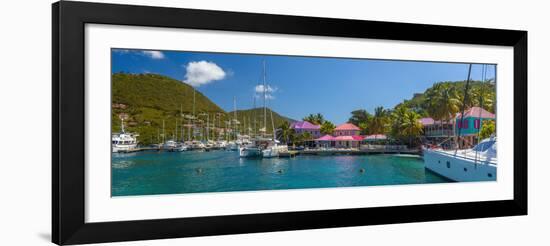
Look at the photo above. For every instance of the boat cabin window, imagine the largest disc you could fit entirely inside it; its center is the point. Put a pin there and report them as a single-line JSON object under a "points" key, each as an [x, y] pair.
{"points": [[484, 146]]}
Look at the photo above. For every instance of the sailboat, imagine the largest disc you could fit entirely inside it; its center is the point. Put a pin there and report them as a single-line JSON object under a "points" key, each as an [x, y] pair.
{"points": [[474, 164], [274, 147], [122, 141], [254, 147]]}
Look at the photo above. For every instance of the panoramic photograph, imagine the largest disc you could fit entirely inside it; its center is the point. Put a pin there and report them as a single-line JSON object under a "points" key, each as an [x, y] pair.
{"points": [[198, 122]]}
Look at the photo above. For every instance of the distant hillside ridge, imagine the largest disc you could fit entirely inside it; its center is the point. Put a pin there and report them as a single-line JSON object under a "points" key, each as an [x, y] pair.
{"points": [[248, 115]]}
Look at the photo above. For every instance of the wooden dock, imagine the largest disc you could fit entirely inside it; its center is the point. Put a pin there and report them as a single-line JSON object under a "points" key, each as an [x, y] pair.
{"points": [[289, 154]]}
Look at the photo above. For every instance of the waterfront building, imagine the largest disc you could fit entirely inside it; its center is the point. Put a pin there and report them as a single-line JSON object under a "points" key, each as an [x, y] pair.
{"points": [[301, 127], [344, 136], [468, 128], [471, 124], [348, 141], [437, 130], [347, 129]]}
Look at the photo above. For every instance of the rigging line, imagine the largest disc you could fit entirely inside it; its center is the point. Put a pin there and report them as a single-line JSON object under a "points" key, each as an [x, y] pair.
{"points": [[467, 87], [481, 94]]}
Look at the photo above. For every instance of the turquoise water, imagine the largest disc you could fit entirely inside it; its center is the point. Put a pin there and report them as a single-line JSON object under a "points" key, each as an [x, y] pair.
{"points": [[148, 173]]}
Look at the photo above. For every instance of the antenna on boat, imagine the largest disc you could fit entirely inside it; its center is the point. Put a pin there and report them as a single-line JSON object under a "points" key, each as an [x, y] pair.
{"points": [[122, 124], [163, 140]]}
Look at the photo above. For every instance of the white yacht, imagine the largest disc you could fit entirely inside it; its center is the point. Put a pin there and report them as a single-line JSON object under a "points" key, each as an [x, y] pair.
{"points": [[273, 149], [196, 145], [250, 150], [123, 142], [476, 164], [174, 146]]}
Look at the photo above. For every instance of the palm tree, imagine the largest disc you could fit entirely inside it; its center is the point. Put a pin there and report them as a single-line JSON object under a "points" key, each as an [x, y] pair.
{"points": [[327, 127], [285, 133], [411, 125], [317, 119], [443, 102], [379, 121], [484, 96], [397, 118]]}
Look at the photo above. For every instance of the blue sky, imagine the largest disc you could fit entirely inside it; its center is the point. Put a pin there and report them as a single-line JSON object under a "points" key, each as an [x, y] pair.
{"points": [[299, 85]]}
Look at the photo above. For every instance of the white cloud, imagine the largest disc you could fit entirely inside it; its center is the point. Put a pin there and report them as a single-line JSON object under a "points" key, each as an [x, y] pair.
{"points": [[203, 72], [269, 91], [153, 54]]}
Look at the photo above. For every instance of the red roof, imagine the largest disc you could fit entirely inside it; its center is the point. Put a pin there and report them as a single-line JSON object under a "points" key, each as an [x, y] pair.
{"points": [[427, 121], [348, 138], [477, 112], [347, 127]]}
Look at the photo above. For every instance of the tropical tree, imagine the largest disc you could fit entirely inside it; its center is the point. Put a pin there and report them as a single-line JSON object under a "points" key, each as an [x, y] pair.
{"points": [[302, 138], [327, 127], [487, 129], [285, 133], [397, 119], [443, 102], [317, 119], [484, 96], [360, 118], [378, 124], [410, 125]]}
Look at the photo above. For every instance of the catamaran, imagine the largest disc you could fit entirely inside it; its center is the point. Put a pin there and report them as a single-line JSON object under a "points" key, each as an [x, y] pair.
{"points": [[122, 141], [476, 164]]}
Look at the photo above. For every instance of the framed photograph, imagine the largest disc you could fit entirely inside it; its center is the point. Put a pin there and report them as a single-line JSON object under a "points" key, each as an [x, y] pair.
{"points": [[176, 122]]}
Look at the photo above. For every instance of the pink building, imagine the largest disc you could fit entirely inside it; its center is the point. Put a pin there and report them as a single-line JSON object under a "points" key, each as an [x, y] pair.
{"points": [[301, 127], [347, 129], [344, 136]]}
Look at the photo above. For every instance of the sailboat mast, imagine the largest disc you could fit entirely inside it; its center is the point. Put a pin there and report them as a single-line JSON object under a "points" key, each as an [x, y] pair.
{"points": [[235, 116], [265, 109], [122, 124], [163, 131], [466, 88], [254, 116]]}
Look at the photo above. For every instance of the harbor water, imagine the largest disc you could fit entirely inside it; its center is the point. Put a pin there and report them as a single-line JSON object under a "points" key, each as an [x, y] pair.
{"points": [[153, 173]]}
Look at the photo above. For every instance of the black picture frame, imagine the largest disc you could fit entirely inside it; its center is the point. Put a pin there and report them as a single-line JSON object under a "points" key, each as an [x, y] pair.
{"points": [[68, 107]]}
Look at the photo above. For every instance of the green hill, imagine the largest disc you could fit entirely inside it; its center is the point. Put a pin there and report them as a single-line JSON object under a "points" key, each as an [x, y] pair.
{"points": [[248, 115], [146, 100]]}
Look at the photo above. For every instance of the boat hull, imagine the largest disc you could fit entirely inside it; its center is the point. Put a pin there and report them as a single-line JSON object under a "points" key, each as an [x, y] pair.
{"points": [[459, 168], [274, 151], [123, 148], [249, 152]]}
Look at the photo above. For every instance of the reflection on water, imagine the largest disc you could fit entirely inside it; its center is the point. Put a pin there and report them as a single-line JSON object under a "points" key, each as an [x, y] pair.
{"points": [[147, 173]]}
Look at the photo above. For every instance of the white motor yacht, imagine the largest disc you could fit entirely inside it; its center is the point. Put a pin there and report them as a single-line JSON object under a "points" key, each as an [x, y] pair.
{"points": [[124, 142]]}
